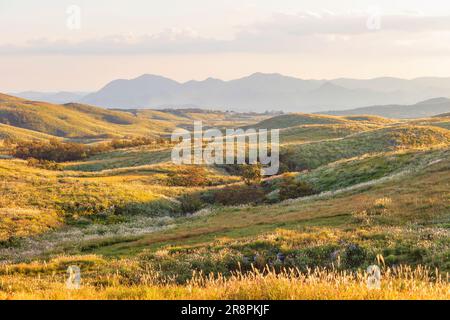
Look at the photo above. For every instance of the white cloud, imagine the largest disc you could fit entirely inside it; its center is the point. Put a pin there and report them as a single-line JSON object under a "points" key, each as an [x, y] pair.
{"points": [[282, 33]]}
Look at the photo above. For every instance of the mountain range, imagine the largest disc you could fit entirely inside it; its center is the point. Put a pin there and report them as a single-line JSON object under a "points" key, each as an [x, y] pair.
{"points": [[258, 92]]}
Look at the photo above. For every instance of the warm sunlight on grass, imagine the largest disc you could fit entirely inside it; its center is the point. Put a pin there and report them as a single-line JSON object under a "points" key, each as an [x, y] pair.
{"points": [[399, 283]]}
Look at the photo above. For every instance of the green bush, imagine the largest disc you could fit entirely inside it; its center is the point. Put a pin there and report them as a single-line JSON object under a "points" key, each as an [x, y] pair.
{"points": [[195, 176], [290, 188], [354, 256], [190, 203], [44, 164], [55, 150], [181, 265], [251, 173], [236, 195]]}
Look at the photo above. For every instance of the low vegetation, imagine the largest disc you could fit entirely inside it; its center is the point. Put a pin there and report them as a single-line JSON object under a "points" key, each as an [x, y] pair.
{"points": [[95, 188], [313, 155], [126, 279]]}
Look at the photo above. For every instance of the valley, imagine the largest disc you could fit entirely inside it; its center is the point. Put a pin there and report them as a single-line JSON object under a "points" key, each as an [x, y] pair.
{"points": [[351, 189]]}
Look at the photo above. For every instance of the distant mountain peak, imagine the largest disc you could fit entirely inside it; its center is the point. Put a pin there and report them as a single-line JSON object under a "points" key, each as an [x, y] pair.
{"points": [[210, 79], [438, 100], [260, 92], [266, 75], [148, 76], [331, 87]]}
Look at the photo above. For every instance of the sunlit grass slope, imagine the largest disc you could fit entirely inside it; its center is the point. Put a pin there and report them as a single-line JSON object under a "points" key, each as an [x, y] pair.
{"points": [[298, 119], [122, 158], [15, 133], [404, 219], [313, 155], [442, 122], [125, 280], [35, 200], [83, 121], [317, 132], [383, 189], [72, 120], [401, 217]]}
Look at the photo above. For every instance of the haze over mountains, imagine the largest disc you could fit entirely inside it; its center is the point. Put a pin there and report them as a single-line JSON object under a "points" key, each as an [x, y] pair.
{"points": [[52, 97], [259, 92], [423, 109]]}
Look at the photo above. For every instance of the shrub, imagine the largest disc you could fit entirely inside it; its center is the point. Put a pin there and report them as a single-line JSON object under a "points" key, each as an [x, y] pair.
{"points": [[289, 162], [380, 206], [251, 173], [179, 265], [54, 150], [235, 195], [291, 188], [43, 164], [190, 203], [354, 256], [8, 142], [195, 176], [136, 142]]}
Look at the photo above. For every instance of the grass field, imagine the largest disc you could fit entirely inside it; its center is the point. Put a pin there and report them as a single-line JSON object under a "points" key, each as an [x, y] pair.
{"points": [[400, 283], [381, 190]]}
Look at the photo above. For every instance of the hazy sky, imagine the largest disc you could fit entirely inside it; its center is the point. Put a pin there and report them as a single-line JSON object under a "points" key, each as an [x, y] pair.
{"points": [[52, 45]]}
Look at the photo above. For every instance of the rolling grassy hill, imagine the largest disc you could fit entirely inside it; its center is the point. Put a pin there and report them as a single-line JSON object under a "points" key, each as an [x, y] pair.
{"points": [[80, 121], [301, 119], [333, 230], [16, 133], [377, 216], [422, 109], [314, 154], [370, 119], [297, 119], [35, 200], [382, 189], [317, 132], [442, 122], [72, 120]]}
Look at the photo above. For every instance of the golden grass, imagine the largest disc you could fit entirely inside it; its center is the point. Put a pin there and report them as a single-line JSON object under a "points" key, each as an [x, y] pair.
{"points": [[396, 213], [315, 154], [84, 121], [34, 200], [400, 283], [16, 133], [423, 198]]}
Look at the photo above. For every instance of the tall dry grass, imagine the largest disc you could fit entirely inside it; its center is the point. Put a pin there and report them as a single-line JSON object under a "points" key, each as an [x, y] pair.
{"points": [[398, 283]]}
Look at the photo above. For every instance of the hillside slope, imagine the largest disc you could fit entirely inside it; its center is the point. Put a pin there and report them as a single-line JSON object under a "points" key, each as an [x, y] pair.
{"points": [[300, 119], [422, 109], [377, 217], [312, 155], [16, 133], [74, 120]]}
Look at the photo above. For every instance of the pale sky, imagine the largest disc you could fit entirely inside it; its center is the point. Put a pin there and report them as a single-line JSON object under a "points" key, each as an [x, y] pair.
{"points": [[46, 45]]}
